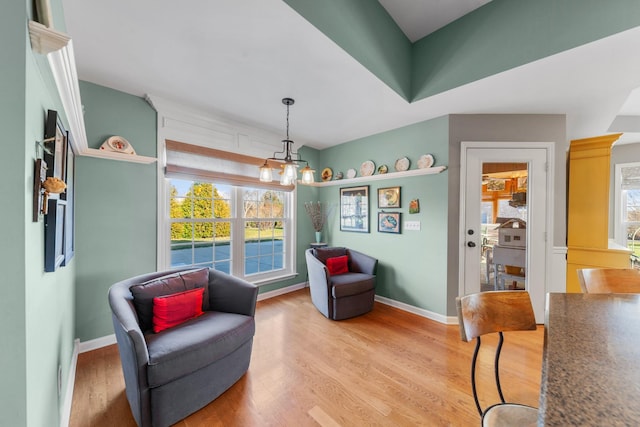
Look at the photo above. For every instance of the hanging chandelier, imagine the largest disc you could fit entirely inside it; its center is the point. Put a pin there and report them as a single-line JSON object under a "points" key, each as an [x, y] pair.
{"points": [[290, 159]]}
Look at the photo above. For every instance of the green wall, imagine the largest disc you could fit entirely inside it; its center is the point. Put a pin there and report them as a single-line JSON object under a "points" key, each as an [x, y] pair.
{"points": [[36, 307], [505, 34], [116, 204], [13, 356], [364, 29], [413, 264]]}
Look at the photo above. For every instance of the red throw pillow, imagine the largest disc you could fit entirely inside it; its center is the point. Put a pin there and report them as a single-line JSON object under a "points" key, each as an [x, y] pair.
{"points": [[338, 265], [174, 309]]}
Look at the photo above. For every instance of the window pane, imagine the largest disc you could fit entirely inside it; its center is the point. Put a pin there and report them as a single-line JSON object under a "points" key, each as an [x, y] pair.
{"points": [[507, 211], [180, 187], [633, 205], [263, 247], [181, 244], [222, 201], [250, 203], [225, 267], [201, 216]]}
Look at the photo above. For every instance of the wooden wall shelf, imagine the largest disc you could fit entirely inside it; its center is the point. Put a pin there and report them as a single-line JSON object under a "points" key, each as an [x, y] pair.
{"points": [[45, 40], [113, 155], [379, 177]]}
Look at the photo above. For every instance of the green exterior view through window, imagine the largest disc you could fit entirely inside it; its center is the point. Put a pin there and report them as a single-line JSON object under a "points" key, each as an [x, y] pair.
{"points": [[238, 230]]}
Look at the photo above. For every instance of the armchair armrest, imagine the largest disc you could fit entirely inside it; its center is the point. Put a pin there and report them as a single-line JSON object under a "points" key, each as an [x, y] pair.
{"points": [[124, 316], [231, 294], [362, 263], [319, 278]]}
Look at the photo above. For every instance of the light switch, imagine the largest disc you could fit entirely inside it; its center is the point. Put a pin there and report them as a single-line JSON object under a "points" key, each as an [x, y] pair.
{"points": [[412, 225]]}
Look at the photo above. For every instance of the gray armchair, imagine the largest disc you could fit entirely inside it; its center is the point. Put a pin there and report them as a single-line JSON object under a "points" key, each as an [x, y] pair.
{"points": [[345, 295], [175, 372]]}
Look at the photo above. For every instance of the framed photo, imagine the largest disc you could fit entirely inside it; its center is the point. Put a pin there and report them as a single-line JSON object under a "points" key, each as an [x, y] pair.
{"points": [[389, 222], [354, 209], [414, 206], [68, 195], [389, 197], [496, 185], [55, 141], [54, 243], [522, 183]]}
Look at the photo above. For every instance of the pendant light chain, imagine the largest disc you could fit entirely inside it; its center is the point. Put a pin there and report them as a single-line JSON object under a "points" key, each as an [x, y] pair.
{"points": [[287, 120]]}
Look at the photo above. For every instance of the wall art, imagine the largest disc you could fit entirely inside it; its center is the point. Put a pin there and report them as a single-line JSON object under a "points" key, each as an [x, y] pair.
{"points": [[354, 209]]}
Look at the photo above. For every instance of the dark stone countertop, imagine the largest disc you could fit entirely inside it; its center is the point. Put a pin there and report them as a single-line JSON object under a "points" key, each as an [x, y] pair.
{"points": [[591, 363]]}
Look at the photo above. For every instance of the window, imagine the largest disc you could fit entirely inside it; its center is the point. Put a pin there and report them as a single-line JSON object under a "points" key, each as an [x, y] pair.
{"points": [[243, 231], [627, 207]]}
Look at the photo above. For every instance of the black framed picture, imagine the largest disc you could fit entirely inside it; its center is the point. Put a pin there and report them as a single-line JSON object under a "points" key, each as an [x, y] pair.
{"points": [[59, 234], [354, 209], [68, 196], [55, 142], [389, 222], [54, 243], [389, 197]]}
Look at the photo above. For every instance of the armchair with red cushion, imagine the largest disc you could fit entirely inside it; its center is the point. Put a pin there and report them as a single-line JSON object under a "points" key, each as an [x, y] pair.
{"points": [[342, 281], [184, 337]]}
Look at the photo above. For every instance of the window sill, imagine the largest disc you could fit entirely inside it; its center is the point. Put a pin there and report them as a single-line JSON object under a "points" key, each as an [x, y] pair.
{"points": [[274, 279]]}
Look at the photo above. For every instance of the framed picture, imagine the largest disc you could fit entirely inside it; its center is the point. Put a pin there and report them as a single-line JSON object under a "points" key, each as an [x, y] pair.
{"points": [[354, 209], [496, 185], [54, 243], [55, 142], [414, 206], [522, 183], [68, 196], [389, 197], [389, 222]]}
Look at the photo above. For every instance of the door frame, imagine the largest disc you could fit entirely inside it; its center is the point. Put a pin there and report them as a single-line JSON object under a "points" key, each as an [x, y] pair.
{"points": [[550, 150]]}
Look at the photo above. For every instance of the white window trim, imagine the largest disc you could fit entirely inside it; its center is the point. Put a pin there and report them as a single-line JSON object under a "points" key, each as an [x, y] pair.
{"points": [[619, 233], [237, 237], [183, 123]]}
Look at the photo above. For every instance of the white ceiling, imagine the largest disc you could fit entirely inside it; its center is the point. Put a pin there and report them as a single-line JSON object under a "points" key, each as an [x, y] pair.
{"points": [[240, 58], [417, 18]]}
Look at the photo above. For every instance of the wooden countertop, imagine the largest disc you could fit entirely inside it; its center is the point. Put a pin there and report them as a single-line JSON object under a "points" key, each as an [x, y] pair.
{"points": [[591, 363]]}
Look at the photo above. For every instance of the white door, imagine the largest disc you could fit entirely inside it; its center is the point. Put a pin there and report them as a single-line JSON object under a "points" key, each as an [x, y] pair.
{"points": [[536, 216]]}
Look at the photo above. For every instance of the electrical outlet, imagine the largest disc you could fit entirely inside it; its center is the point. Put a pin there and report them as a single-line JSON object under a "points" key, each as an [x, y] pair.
{"points": [[412, 225]]}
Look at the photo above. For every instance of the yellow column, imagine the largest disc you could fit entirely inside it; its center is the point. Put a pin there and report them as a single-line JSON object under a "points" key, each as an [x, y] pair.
{"points": [[588, 209]]}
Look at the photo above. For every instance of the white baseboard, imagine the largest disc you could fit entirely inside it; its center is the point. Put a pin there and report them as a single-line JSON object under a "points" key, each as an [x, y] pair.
{"points": [[447, 320], [97, 343], [281, 291], [65, 412]]}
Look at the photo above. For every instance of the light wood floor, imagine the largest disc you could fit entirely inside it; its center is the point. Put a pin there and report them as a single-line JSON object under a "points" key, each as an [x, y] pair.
{"points": [[386, 368]]}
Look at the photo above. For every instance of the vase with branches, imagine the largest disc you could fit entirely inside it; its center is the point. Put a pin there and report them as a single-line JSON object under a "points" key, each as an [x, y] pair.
{"points": [[318, 214]]}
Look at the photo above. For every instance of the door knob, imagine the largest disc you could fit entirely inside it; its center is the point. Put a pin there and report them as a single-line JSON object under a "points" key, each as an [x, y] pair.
{"points": [[471, 244]]}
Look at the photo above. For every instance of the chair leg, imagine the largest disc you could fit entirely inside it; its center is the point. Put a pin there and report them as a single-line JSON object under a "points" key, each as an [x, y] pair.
{"points": [[497, 366], [473, 376]]}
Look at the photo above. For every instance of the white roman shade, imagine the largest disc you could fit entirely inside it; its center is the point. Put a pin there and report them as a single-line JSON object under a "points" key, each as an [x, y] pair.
{"points": [[187, 161]]}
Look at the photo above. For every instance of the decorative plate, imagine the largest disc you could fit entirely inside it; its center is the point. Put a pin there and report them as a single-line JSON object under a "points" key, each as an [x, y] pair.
{"points": [[339, 175], [351, 173], [117, 144], [425, 161], [402, 164], [367, 168], [382, 169], [326, 174]]}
